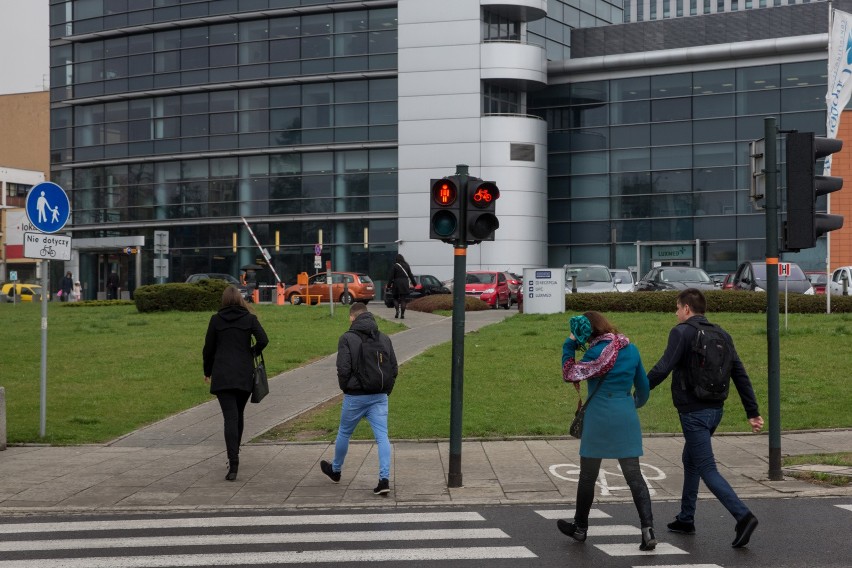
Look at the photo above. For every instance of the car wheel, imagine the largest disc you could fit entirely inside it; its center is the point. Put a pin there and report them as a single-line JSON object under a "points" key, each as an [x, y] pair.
{"points": [[295, 300], [346, 298], [507, 304]]}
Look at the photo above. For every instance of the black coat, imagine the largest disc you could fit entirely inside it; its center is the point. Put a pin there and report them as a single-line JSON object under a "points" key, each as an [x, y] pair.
{"points": [[400, 276], [228, 353]]}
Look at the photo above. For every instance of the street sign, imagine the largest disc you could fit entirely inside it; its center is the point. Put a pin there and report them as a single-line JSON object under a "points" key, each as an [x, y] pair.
{"points": [[47, 247], [161, 268], [784, 269], [317, 262], [161, 242], [317, 249], [13, 275], [48, 207], [266, 255]]}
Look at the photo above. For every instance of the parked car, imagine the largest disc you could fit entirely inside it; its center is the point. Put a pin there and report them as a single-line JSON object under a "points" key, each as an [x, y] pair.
{"points": [[233, 280], [589, 278], [623, 279], [23, 292], [426, 286], [751, 276], [491, 287], [728, 282], [818, 280], [358, 287], [837, 277], [514, 282], [718, 277], [675, 278]]}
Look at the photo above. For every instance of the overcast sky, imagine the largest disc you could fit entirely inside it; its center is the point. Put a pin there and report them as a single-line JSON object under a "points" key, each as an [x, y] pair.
{"points": [[24, 47]]}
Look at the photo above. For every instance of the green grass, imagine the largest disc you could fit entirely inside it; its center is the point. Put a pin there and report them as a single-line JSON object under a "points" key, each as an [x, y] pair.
{"points": [[843, 459], [513, 384], [111, 369]]}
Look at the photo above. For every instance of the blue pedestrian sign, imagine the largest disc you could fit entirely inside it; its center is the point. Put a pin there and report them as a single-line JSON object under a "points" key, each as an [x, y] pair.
{"points": [[48, 207]]}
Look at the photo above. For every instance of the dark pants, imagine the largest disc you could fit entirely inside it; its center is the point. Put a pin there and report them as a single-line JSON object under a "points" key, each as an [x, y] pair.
{"points": [[589, 468], [233, 403]]}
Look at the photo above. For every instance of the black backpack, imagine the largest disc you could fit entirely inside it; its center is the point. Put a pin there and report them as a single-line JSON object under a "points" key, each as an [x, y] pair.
{"points": [[711, 359], [373, 367]]}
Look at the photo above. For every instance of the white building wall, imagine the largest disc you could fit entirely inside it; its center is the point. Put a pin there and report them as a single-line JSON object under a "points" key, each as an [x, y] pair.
{"points": [[441, 125]]}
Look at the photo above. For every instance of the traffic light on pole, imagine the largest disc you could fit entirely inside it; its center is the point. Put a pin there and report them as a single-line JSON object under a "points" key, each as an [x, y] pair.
{"points": [[445, 219], [481, 215], [804, 225]]}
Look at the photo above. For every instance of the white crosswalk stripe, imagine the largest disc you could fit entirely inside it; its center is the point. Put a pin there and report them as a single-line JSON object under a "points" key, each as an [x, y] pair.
{"points": [[186, 541], [847, 507], [569, 514]]}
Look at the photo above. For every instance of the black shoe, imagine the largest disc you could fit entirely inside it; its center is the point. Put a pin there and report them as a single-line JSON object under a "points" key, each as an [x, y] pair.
{"points": [[681, 527], [649, 541], [233, 466], [383, 488], [396, 315], [572, 530], [745, 527], [326, 469]]}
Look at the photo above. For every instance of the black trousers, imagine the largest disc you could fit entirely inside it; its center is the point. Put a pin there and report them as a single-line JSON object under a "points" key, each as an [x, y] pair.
{"points": [[589, 468], [233, 404]]}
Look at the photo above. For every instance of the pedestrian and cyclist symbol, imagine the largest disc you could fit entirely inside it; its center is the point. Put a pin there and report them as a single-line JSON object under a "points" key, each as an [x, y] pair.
{"points": [[48, 207]]}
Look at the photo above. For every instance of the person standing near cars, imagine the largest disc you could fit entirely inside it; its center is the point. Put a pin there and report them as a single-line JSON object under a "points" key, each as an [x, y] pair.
{"points": [[611, 428], [401, 282], [65, 286], [228, 356], [700, 413]]}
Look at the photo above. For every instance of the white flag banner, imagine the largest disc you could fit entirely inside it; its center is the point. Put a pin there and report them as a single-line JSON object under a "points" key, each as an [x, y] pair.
{"points": [[839, 74]]}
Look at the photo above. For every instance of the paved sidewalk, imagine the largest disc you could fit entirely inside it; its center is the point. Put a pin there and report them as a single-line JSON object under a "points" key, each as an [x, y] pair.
{"points": [[179, 463]]}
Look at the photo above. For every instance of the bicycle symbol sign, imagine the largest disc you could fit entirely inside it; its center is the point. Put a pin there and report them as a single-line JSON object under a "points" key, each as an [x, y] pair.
{"points": [[47, 247]]}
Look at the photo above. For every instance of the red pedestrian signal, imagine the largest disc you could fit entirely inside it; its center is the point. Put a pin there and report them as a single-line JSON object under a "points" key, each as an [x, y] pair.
{"points": [[445, 209]]}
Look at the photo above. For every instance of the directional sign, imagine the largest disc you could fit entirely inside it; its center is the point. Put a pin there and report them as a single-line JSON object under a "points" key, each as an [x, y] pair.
{"points": [[47, 247], [317, 249], [317, 262], [48, 207]]}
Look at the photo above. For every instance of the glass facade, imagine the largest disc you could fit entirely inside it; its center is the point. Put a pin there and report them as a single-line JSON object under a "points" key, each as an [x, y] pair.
{"points": [[666, 158], [553, 32], [188, 115]]}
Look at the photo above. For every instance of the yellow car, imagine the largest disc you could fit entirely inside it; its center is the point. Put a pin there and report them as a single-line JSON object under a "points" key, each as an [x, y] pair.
{"points": [[23, 292]]}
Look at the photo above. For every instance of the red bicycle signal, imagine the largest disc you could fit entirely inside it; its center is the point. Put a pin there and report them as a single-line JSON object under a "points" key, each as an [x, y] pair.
{"points": [[484, 195]]}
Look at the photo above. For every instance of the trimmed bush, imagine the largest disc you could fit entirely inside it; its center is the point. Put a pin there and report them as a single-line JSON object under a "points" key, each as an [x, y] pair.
{"points": [[717, 301], [438, 302], [96, 303], [203, 296]]}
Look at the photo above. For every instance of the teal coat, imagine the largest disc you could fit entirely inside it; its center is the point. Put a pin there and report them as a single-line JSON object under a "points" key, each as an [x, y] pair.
{"points": [[611, 427]]}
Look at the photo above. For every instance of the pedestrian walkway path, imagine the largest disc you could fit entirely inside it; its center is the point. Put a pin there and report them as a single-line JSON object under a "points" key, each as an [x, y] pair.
{"points": [[179, 463]]}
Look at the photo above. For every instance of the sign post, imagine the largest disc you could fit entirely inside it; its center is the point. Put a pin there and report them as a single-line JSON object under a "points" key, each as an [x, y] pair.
{"points": [[48, 209], [330, 287]]}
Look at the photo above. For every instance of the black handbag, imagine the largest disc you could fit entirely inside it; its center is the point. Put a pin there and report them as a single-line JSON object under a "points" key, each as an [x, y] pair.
{"points": [[576, 428], [260, 388]]}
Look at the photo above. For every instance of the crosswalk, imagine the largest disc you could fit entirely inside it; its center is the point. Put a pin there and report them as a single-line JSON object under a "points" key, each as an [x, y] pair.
{"points": [[255, 540]]}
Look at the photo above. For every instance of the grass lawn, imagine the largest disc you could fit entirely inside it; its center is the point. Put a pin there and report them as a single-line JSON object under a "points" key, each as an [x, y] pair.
{"points": [[111, 369], [843, 459], [513, 384]]}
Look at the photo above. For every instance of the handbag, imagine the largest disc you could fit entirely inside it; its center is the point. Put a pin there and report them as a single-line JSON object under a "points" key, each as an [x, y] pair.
{"points": [[576, 428], [260, 388]]}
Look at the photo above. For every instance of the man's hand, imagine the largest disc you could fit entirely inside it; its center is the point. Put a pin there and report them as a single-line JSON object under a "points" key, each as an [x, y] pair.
{"points": [[756, 424], [207, 380]]}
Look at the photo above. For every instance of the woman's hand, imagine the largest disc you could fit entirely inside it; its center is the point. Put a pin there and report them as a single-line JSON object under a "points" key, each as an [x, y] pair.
{"points": [[207, 380]]}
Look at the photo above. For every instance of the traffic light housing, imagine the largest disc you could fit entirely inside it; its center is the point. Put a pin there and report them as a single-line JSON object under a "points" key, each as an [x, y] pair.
{"points": [[481, 211], [804, 225], [445, 218]]}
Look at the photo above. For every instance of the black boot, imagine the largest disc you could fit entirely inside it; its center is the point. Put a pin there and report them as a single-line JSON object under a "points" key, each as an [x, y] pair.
{"points": [[402, 312], [396, 305], [233, 466]]}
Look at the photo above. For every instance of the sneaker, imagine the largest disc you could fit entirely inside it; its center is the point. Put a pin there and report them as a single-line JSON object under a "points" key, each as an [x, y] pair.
{"points": [[745, 527], [383, 488], [681, 527], [572, 530], [649, 542], [326, 469]]}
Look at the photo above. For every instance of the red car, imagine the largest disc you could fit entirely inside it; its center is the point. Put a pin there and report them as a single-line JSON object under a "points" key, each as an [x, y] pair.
{"points": [[818, 281], [491, 287], [728, 282]]}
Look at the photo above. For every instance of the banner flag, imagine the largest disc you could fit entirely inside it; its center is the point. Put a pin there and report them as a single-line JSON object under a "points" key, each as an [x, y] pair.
{"points": [[839, 74]]}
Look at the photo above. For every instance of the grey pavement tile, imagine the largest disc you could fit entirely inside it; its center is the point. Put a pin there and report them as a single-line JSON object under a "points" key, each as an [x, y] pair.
{"points": [[266, 495], [98, 497], [211, 496], [146, 497]]}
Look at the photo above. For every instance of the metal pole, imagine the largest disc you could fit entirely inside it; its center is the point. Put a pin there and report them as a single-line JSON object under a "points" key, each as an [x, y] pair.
{"points": [[454, 476], [43, 397], [260, 248], [772, 340]]}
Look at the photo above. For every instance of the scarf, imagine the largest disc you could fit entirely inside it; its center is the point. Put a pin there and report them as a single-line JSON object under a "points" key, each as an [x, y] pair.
{"points": [[576, 371]]}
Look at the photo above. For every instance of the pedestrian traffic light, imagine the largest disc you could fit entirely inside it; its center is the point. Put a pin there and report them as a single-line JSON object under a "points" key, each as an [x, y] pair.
{"points": [[481, 218], [804, 225], [445, 210]]}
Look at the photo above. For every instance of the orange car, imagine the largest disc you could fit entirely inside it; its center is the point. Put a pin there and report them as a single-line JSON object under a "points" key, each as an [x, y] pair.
{"points": [[358, 288]]}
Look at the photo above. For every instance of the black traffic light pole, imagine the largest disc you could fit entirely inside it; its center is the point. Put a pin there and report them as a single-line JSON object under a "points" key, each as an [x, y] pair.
{"points": [[454, 476], [772, 340]]}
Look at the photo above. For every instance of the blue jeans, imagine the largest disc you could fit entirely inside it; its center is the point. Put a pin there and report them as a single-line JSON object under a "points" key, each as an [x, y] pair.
{"points": [[373, 407], [700, 464]]}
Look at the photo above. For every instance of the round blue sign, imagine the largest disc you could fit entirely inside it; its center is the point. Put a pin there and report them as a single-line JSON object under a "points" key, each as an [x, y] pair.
{"points": [[48, 207]]}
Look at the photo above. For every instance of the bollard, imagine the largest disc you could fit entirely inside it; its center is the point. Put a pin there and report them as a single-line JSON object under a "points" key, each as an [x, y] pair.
{"points": [[2, 419], [255, 296], [279, 290]]}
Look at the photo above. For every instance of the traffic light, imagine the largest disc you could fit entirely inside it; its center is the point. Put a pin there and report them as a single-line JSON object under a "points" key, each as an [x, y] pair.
{"points": [[804, 225], [481, 218], [445, 210]]}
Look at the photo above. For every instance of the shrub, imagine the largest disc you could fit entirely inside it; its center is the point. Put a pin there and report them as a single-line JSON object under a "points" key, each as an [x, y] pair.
{"points": [[203, 296], [717, 301], [439, 302], [96, 303]]}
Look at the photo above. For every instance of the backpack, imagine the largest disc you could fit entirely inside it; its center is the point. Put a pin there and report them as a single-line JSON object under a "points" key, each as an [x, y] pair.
{"points": [[710, 361], [374, 369]]}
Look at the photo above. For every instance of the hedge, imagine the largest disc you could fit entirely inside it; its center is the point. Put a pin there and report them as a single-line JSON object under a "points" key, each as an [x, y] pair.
{"points": [[203, 296], [436, 302], [717, 301]]}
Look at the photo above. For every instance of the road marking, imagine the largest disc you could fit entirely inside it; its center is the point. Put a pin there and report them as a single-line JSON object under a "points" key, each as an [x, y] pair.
{"points": [[202, 522], [847, 507], [633, 550], [569, 514], [682, 566], [244, 558], [571, 472]]}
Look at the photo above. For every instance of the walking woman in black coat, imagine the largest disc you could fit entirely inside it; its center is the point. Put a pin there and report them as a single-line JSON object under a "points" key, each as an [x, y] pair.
{"points": [[401, 280], [229, 365]]}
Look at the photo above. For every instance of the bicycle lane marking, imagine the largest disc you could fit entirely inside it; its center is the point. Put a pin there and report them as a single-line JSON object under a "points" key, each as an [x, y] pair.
{"points": [[571, 472]]}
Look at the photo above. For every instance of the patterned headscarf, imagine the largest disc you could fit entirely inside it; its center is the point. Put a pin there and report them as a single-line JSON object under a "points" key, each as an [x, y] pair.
{"points": [[581, 328]]}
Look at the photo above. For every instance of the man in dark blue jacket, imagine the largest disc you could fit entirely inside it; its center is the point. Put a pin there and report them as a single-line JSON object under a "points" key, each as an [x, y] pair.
{"points": [[700, 418]]}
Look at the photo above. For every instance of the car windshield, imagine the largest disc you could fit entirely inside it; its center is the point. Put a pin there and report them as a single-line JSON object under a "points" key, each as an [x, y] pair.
{"points": [[819, 278], [623, 274], [588, 274], [684, 275], [481, 277], [364, 279]]}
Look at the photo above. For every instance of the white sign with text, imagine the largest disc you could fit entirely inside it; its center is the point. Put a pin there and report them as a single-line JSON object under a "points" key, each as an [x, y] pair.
{"points": [[47, 246], [544, 290]]}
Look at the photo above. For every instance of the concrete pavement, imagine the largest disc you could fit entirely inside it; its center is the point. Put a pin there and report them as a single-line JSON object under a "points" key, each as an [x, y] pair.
{"points": [[179, 463]]}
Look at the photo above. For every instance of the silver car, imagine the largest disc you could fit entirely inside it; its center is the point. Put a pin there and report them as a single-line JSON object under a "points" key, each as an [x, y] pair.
{"points": [[623, 279], [588, 278]]}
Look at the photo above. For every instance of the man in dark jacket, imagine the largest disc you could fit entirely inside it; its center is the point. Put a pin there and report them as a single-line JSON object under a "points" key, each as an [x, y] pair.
{"points": [[65, 286], [699, 419], [359, 402]]}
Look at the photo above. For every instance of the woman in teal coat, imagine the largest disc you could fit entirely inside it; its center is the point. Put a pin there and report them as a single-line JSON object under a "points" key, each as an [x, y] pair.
{"points": [[616, 378]]}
